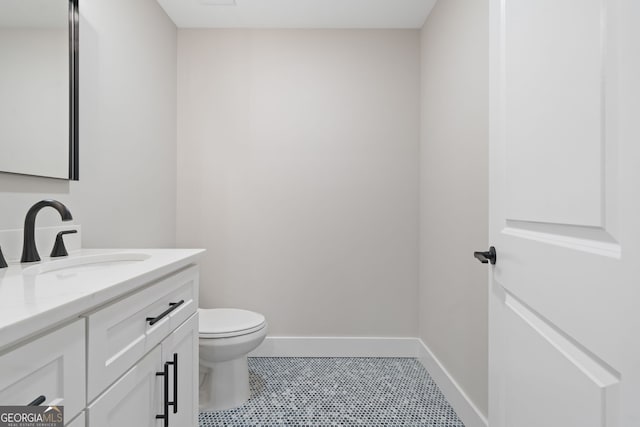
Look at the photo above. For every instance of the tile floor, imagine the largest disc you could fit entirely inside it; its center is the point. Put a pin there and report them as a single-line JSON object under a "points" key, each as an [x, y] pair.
{"points": [[338, 392]]}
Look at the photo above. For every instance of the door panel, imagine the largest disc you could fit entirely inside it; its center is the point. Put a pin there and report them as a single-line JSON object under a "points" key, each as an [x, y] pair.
{"points": [[565, 383], [565, 213], [554, 116]]}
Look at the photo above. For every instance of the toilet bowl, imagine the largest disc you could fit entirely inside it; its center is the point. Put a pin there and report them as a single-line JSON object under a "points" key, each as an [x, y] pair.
{"points": [[227, 335]]}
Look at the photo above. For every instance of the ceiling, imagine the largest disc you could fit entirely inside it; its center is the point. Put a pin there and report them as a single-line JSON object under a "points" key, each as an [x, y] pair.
{"points": [[298, 13]]}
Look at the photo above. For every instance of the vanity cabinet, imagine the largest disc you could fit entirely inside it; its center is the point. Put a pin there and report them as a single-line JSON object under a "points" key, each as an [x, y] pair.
{"points": [[142, 356], [163, 382], [123, 332], [131, 360]]}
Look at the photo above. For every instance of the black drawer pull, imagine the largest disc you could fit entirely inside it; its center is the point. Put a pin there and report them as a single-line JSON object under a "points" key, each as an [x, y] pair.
{"points": [[39, 400], [175, 382], [172, 306], [165, 415]]}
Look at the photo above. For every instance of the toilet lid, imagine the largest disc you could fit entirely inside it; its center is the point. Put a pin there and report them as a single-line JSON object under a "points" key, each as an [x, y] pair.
{"points": [[228, 321]]}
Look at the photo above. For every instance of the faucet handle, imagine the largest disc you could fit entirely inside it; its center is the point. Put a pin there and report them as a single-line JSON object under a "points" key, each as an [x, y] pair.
{"points": [[3, 262], [59, 248]]}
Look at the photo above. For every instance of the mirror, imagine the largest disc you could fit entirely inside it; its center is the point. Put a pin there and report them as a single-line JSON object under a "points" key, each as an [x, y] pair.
{"points": [[39, 88]]}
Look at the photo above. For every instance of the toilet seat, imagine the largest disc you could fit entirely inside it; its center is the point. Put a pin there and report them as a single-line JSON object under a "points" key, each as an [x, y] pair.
{"points": [[228, 322]]}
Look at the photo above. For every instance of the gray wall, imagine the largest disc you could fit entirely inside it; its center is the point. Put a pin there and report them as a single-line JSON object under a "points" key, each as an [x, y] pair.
{"points": [[298, 171], [126, 193], [454, 191]]}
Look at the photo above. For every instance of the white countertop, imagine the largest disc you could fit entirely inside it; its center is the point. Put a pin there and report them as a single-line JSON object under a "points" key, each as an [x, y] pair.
{"points": [[30, 303]]}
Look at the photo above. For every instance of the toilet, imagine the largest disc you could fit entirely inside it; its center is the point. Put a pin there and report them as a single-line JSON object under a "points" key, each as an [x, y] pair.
{"points": [[227, 335]]}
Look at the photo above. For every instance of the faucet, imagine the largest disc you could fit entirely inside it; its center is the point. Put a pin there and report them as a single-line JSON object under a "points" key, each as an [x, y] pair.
{"points": [[3, 263], [29, 251]]}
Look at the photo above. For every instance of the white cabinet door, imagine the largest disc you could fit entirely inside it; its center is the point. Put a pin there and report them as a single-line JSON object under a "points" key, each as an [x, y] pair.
{"points": [[564, 316], [78, 422], [51, 367], [134, 400], [181, 350], [141, 394]]}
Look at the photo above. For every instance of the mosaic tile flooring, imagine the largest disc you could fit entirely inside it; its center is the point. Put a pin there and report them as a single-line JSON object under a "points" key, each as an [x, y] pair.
{"points": [[368, 392]]}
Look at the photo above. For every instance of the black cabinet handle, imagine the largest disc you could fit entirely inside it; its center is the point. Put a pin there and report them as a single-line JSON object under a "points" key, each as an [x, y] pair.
{"points": [[174, 363], [172, 306], [485, 257], [165, 416], [38, 400]]}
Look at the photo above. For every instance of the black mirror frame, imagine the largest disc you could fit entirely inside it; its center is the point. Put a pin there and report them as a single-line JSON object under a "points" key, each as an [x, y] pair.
{"points": [[74, 19]]}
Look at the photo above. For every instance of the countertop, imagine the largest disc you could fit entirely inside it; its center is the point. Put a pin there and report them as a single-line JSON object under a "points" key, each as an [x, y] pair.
{"points": [[31, 303]]}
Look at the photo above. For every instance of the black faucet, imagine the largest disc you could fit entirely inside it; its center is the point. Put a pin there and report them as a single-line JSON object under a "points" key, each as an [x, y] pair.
{"points": [[3, 263], [29, 251]]}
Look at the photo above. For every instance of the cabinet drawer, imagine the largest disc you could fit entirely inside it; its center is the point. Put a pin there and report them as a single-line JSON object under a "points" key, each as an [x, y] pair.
{"points": [[52, 366], [120, 334]]}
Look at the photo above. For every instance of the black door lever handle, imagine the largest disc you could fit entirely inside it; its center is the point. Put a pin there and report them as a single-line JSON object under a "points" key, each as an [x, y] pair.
{"points": [[486, 257]]}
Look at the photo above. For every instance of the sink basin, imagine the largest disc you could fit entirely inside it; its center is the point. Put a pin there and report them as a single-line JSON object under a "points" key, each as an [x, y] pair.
{"points": [[85, 263]]}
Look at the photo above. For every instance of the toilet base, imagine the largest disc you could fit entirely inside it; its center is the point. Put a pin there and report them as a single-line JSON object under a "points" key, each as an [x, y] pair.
{"points": [[224, 385]]}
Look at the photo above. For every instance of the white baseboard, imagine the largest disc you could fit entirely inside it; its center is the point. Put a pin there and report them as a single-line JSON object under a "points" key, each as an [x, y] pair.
{"points": [[337, 347], [470, 415], [468, 412]]}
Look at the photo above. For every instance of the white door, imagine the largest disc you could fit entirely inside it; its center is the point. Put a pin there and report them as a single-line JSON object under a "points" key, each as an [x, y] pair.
{"points": [[564, 309]]}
